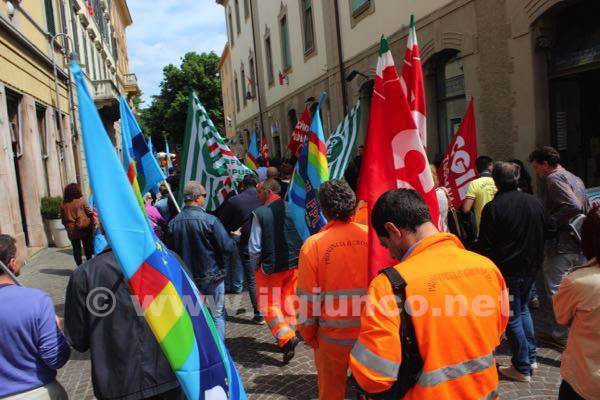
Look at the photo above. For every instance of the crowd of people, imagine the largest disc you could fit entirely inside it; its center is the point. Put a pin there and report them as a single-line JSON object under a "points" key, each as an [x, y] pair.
{"points": [[425, 328]]}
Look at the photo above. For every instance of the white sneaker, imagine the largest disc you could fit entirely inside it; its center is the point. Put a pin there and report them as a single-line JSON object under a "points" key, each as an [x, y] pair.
{"points": [[511, 372], [535, 365]]}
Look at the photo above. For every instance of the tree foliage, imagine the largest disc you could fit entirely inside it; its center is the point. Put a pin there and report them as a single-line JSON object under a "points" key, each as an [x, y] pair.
{"points": [[168, 110]]}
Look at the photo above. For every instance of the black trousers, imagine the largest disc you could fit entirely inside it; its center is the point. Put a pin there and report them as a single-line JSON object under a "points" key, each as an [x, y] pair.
{"points": [[88, 247]]}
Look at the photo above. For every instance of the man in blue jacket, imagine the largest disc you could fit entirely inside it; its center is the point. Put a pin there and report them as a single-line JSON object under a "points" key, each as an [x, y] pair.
{"points": [[203, 243]]}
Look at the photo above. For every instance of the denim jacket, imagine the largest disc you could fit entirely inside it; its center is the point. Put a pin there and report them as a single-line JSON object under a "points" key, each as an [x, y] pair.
{"points": [[202, 242]]}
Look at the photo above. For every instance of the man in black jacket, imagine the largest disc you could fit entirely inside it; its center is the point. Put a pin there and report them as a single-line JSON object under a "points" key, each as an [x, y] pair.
{"points": [[236, 214], [512, 235], [203, 243], [100, 316]]}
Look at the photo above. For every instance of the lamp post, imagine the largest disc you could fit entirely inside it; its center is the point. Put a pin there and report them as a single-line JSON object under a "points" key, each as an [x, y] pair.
{"points": [[56, 93]]}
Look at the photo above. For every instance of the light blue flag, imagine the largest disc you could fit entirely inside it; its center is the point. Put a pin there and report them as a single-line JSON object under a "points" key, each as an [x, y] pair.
{"points": [[149, 174], [171, 302]]}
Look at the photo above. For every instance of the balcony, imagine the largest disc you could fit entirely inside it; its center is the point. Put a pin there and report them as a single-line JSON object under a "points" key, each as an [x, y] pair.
{"points": [[106, 97], [130, 84]]}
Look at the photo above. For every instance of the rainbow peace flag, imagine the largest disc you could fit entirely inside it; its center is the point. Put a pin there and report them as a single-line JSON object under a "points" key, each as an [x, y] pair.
{"points": [[171, 302], [251, 159], [136, 150], [310, 172]]}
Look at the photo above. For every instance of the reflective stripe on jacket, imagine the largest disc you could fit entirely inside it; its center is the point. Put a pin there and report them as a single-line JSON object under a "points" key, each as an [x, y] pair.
{"points": [[332, 281], [459, 307]]}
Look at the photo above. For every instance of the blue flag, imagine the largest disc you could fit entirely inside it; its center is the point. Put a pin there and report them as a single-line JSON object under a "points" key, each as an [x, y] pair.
{"points": [[149, 174], [169, 299], [310, 172]]}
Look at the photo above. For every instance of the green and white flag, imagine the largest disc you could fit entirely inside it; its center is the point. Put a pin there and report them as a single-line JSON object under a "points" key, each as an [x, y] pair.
{"points": [[341, 142], [207, 159]]}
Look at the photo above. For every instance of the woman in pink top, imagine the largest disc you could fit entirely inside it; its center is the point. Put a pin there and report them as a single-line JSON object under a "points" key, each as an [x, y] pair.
{"points": [[158, 222], [577, 305]]}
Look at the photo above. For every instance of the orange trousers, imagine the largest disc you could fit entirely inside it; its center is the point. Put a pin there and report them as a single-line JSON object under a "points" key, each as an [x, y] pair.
{"points": [[332, 368], [276, 301]]}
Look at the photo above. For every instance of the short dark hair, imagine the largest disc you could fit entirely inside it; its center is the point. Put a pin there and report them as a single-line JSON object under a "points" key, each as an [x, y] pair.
{"points": [[590, 235], [483, 163], [506, 176], [337, 200], [545, 153], [249, 181], [72, 191], [405, 208], [272, 184], [8, 249]]}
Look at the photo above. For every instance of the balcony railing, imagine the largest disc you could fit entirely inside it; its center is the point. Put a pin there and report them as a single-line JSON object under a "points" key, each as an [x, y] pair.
{"points": [[105, 90], [130, 80]]}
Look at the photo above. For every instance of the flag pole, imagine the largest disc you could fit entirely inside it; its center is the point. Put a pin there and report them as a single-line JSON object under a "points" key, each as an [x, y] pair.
{"points": [[171, 196], [9, 273]]}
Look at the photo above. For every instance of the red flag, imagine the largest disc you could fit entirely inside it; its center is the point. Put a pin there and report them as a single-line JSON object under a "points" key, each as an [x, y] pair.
{"points": [[264, 149], [412, 82], [394, 155], [300, 132], [458, 166], [90, 8]]}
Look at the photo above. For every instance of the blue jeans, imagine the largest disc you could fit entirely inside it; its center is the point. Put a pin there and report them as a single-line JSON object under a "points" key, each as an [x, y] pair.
{"points": [[556, 267], [234, 282], [519, 331], [250, 277], [214, 298]]}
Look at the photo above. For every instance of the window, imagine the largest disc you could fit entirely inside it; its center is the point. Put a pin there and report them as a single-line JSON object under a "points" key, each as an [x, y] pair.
{"points": [[359, 6], [40, 113], [237, 93], [237, 16], [269, 55], [243, 75], [75, 36], [230, 18], [252, 79], [50, 17], [285, 43], [246, 9], [308, 27], [85, 50]]}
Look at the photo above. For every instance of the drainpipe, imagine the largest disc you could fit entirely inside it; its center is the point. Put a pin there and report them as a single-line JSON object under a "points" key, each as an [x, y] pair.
{"points": [[256, 74], [341, 57]]}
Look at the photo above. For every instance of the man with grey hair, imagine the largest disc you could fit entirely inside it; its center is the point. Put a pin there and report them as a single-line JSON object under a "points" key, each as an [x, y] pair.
{"points": [[203, 243], [512, 236]]}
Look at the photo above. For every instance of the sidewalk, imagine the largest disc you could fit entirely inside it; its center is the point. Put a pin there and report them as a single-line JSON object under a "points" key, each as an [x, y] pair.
{"points": [[254, 350]]}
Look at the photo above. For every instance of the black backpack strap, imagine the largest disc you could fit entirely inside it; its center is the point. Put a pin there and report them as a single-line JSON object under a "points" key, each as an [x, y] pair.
{"points": [[412, 362]]}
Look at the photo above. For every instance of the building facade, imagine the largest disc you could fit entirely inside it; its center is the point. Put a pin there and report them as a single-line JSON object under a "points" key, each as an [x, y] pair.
{"points": [[229, 113], [39, 127], [531, 66]]}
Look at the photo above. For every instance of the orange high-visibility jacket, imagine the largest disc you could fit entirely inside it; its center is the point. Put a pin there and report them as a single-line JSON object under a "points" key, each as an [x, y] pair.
{"points": [[459, 307], [332, 282]]}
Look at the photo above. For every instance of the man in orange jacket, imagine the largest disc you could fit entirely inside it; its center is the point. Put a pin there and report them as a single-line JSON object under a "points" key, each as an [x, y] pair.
{"points": [[273, 248], [456, 300], [332, 278]]}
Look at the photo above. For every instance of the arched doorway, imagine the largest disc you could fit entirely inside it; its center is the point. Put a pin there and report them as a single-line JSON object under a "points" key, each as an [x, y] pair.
{"points": [[571, 39]]}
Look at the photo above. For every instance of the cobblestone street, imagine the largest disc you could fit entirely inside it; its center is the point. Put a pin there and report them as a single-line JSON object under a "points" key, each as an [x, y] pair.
{"points": [[254, 350]]}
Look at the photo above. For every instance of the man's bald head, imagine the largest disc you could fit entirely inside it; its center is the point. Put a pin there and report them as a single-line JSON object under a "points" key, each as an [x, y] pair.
{"points": [[272, 172], [194, 193]]}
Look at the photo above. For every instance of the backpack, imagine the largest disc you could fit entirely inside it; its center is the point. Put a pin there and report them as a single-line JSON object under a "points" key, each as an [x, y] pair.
{"points": [[412, 362]]}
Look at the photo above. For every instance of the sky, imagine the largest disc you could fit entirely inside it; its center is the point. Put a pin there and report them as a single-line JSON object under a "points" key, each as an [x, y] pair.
{"points": [[163, 31]]}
